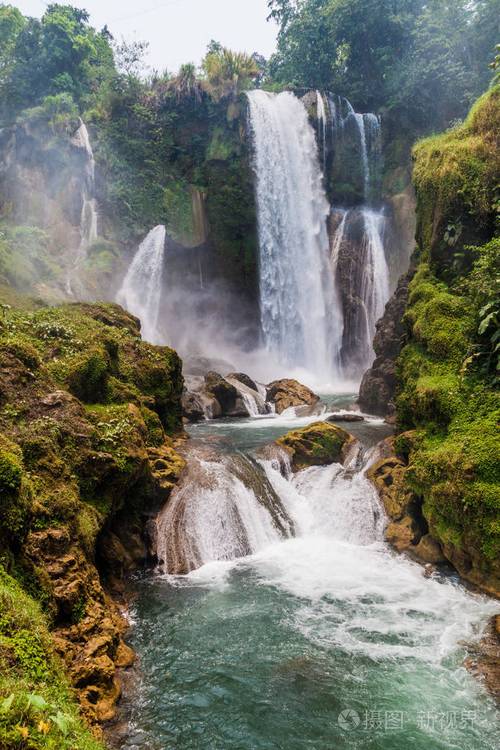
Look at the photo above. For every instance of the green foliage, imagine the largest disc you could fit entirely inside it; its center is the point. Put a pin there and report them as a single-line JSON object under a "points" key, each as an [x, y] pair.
{"points": [[37, 707], [447, 370], [228, 73], [428, 60], [59, 54]]}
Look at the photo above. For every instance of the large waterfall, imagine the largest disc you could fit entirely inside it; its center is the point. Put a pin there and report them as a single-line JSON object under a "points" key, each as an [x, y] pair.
{"points": [[141, 290], [318, 309], [299, 317]]}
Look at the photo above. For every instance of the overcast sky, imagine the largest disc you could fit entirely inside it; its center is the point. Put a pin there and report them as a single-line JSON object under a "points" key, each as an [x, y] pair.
{"points": [[178, 31]]}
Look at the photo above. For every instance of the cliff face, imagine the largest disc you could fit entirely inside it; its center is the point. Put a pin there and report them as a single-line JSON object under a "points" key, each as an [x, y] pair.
{"points": [[447, 395], [87, 413]]}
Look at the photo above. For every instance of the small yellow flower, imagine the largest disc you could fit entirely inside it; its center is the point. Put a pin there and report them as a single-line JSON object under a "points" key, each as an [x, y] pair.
{"points": [[24, 732], [44, 727]]}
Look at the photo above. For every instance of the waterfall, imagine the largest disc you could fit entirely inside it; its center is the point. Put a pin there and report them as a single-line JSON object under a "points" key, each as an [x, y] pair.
{"points": [[88, 215], [361, 273], [322, 127], [141, 290], [223, 508], [299, 317], [337, 501]]}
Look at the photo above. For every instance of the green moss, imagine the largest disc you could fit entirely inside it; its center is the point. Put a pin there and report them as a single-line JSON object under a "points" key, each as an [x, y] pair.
{"points": [[88, 379], [29, 667], [447, 387], [14, 491], [456, 180], [316, 445]]}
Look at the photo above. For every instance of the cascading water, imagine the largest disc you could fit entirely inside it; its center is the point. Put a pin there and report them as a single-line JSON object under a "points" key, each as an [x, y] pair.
{"points": [[88, 216], [319, 621], [141, 290], [224, 508], [357, 249], [300, 315], [322, 127]]}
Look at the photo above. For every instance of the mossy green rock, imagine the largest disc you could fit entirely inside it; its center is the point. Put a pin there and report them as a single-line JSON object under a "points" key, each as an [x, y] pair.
{"points": [[448, 388], [319, 444], [86, 452]]}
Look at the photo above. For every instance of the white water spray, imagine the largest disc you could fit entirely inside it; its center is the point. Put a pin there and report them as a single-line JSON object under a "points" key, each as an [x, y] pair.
{"points": [[141, 290], [298, 320]]}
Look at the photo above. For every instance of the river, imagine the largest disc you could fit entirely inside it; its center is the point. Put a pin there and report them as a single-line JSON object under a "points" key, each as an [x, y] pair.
{"points": [[325, 640]]}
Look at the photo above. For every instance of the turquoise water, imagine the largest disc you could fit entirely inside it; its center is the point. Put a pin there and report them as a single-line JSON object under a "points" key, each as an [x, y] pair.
{"points": [[327, 640]]}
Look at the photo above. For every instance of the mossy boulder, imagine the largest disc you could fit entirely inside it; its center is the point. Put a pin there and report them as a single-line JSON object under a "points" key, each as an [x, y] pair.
{"points": [[318, 444]]}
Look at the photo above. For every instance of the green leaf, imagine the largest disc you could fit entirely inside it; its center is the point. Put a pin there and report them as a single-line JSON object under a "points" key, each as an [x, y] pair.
{"points": [[6, 704], [62, 721], [485, 323], [38, 702]]}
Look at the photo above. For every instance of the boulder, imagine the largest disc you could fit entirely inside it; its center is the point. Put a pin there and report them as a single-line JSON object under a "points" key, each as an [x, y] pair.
{"points": [[225, 393], [318, 444], [245, 379], [345, 418], [192, 406], [286, 393]]}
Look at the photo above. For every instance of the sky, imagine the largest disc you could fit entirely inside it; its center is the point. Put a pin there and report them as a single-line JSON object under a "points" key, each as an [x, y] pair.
{"points": [[178, 31]]}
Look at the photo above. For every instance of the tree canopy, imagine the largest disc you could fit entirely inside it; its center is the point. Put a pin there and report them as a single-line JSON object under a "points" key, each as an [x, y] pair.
{"points": [[419, 55]]}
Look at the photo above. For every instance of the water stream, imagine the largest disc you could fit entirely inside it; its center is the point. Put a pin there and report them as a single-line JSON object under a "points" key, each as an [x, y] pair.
{"points": [[88, 216], [314, 636], [141, 290]]}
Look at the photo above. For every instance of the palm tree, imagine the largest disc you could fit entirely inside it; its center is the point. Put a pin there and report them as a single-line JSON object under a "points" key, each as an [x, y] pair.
{"points": [[228, 73], [186, 83]]}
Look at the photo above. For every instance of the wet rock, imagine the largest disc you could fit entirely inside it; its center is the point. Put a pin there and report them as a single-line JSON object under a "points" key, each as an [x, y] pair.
{"points": [[192, 406], [428, 550], [318, 444], [407, 530], [484, 659], [245, 379], [378, 386], [286, 393], [345, 418]]}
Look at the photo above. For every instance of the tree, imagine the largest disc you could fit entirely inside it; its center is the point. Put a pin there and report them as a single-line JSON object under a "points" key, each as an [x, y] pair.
{"points": [[428, 58], [228, 73], [11, 24], [60, 53], [186, 83]]}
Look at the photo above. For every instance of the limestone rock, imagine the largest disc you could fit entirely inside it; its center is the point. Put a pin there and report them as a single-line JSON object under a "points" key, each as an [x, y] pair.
{"points": [[245, 379], [286, 393]]}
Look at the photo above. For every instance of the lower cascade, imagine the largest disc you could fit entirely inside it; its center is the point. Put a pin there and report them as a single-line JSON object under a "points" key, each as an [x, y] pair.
{"points": [[141, 290], [282, 608]]}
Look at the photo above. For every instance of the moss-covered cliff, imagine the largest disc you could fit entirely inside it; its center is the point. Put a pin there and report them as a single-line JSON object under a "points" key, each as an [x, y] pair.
{"points": [[448, 401], [88, 411]]}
